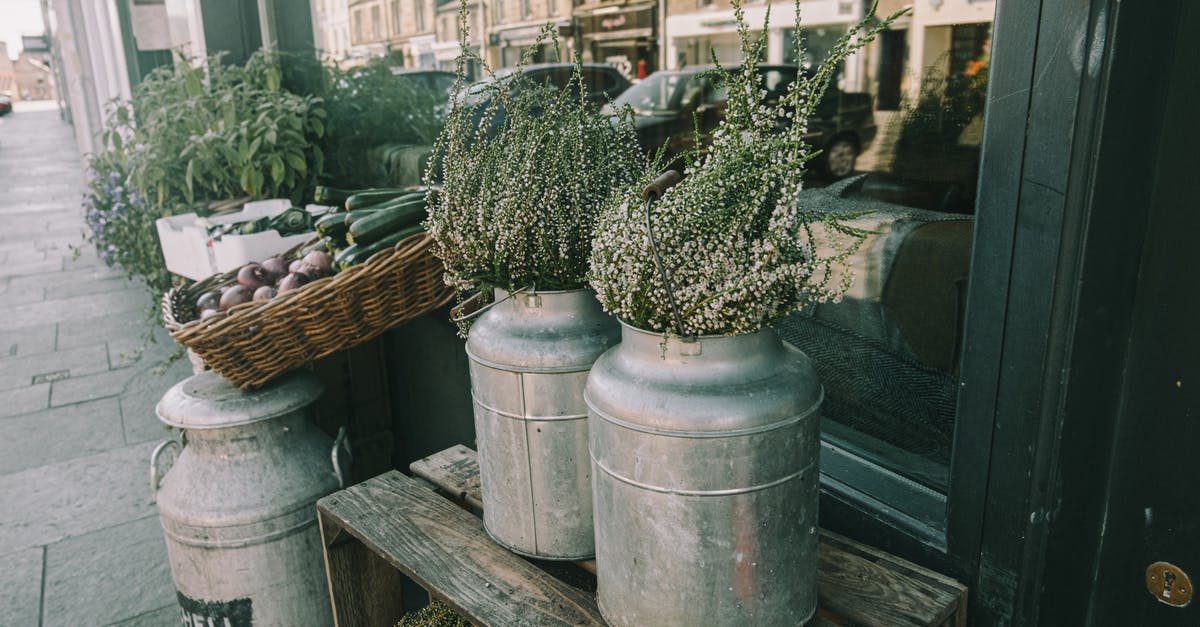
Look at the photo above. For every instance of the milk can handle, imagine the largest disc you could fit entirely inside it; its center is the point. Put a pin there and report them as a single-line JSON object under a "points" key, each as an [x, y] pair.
{"points": [[155, 479], [653, 192], [339, 443]]}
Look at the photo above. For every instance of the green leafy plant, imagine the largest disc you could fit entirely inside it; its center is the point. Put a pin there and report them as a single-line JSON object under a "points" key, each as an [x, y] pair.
{"points": [[368, 107], [525, 171], [739, 251], [214, 132], [191, 135]]}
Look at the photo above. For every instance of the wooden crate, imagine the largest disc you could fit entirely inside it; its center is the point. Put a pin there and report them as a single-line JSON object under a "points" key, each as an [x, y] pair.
{"points": [[393, 525]]}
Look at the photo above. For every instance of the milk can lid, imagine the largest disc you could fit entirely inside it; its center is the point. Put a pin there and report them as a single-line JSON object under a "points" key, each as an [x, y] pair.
{"points": [[207, 401]]}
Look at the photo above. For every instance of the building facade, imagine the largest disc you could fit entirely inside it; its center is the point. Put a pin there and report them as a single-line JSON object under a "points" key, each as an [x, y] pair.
{"points": [[446, 47], [34, 80], [368, 29], [622, 33], [695, 30], [412, 32], [513, 27], [332, 22]]}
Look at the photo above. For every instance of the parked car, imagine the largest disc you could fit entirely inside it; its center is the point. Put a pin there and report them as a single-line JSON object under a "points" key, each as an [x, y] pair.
{"points": [[5, 105], [667, 106]]}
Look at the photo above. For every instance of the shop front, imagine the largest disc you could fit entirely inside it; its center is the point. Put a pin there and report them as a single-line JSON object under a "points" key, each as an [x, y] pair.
{"points": [[623, 36], [511, 43], [695, 37]]}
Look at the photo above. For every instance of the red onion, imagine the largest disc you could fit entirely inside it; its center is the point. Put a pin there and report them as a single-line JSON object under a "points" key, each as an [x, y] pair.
{"points": [[274, 268], [208, 300], [252, 276], [236, 295], [265, 292], [320, 262], [293, 281]]}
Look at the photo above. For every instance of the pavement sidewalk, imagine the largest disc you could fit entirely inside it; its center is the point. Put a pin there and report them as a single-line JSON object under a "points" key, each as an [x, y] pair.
{"points": [[80, 542]]}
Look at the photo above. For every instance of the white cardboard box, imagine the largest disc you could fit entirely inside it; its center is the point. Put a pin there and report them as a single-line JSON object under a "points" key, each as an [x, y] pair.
{"points": [[190, 252]]}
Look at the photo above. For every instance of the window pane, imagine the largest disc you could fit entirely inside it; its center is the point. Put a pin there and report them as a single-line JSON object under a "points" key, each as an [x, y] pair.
{"points": [[900, 129]]}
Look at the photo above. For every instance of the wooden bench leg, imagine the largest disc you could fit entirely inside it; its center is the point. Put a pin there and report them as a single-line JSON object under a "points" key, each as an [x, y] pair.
{"points": [[366, 590]]}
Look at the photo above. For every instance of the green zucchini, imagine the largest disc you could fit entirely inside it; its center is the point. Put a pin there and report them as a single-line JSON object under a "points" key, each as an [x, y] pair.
{"points": [[325, 195], [358, 253], [336, 225], [375, 196], [381, 224], [317, 245]]}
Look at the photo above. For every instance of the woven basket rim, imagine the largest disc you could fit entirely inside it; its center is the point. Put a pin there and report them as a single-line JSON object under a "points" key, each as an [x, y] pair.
{"points": [[213, 334]]}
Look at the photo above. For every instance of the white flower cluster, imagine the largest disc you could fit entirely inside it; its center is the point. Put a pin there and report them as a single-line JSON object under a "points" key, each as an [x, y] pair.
{"points": [[523, 180], [738, 250]]}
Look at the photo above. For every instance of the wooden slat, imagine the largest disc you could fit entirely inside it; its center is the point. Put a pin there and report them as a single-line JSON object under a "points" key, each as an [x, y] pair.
{"points": [[856, 583], [365, 589], [445, 549], [874, 588], [455, 471]]}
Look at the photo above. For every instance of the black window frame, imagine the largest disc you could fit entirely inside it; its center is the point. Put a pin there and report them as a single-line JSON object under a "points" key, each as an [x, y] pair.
{"points": [[1056, 140]]}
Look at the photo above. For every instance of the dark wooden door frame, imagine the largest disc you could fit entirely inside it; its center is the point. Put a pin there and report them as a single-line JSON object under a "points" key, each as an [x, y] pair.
{"points": [[1076, 102]]}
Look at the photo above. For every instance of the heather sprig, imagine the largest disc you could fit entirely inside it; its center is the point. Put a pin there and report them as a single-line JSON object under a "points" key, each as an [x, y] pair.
{"points": [[739, 250], [524, 171]]}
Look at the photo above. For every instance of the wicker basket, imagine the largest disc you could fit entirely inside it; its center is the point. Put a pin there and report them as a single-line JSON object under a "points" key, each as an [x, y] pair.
{"points": [[252, 343]]}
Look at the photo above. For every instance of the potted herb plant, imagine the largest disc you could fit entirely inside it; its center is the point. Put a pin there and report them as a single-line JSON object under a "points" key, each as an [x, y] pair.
{"points": [[704, 424], [525, 171]]}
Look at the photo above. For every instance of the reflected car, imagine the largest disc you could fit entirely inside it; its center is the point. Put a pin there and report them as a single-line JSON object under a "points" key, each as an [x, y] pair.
{"points": [[668, 106], [602, 83], [438, 81], [6, 105]]}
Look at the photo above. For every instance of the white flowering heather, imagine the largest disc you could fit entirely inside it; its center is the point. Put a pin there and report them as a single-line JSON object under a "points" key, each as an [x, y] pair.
{"points": [[519, 202], [739, 251]]}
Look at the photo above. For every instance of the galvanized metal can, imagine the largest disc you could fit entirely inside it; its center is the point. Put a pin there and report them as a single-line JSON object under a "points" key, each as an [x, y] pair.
{"points": [[704, 466], [238, 505], [529, 358]]}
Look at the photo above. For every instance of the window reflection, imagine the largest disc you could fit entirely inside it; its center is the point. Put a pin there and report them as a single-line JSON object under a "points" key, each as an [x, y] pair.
{"points": [[888, 353]]}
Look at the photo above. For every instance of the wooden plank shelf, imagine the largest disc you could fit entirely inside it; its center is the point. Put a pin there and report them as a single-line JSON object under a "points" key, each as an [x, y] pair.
{"points": [[394, 524]]}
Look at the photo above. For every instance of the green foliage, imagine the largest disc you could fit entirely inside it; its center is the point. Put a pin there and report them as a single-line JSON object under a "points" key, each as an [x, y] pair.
{"points": [[193, 134], [214, 132], [368, 107], [739, 251], [525, 171]]}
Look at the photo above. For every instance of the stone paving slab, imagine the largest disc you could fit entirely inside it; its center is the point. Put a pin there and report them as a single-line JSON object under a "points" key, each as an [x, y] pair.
{"points": [[107, 575], [106, 384], [74, 431], [66, 279], [21, 295], [30, 340], [144, 391], [73, 497], [24, 400], [32, 267], [20, 371], [74, 308], [160, 617], [96, 285], [21, 587], [87, 331]]}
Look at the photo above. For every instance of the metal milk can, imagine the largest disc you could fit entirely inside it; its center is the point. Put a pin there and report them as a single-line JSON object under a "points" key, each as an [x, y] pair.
{"points": [[238, 506], [704, 466], [529, 359]]}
